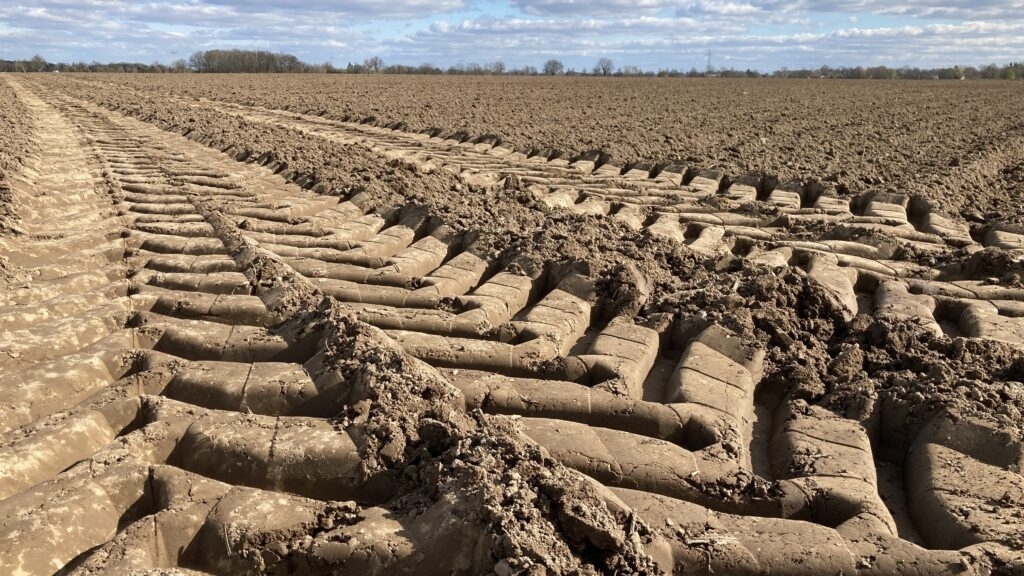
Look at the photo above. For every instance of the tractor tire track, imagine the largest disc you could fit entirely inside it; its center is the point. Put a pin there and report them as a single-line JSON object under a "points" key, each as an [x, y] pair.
{"points": [[172, 380]]}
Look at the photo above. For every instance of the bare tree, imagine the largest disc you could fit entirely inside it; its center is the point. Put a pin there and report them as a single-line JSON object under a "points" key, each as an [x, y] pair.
{"points": [[553, 67], [373, 64], [604, 67], [244, 61], [197, 61], [524, 71], [36, 64]]}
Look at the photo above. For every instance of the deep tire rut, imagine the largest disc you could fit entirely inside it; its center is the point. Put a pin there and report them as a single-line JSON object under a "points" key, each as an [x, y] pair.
{"points": [[182, 331]]}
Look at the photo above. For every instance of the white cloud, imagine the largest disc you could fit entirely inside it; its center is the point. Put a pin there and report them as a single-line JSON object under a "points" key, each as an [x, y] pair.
{"points": [[955, 9], [591, 7], [361, 9], [218, 13], [653, 42], [555, 26], [148, 31], [647, 33]]}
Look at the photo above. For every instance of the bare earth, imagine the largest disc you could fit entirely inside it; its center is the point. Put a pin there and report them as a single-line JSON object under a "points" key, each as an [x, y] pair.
{"points": [[960, 143], [580, 327]]}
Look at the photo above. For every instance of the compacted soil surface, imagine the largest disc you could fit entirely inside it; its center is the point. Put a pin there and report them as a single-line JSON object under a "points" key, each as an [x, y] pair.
{"points": [[527, 326]]}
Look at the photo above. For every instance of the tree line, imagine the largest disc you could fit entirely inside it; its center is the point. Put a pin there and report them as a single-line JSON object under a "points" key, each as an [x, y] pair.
{"points": [[251, 61], [261, 61], [1011, 71]]}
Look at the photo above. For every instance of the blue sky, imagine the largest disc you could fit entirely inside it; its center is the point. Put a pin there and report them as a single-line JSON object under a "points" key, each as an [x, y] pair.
{"points": [[651, 34]]}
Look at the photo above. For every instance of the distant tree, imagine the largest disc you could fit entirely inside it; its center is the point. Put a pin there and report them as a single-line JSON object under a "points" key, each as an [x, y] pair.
{"points": [[604, 67], [373, 64], [990, 71], [285, 63], [245, 61], [197, 61], [524, 71], [263, 61], [553, 67], [36, 64]]}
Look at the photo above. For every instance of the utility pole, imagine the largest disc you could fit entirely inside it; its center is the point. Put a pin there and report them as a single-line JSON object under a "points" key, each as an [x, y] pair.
{"points": [[707, 71]]}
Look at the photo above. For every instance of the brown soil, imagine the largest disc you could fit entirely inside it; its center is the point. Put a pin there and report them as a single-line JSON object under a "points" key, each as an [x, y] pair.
{"points": [[15, 142], [480, 362], [952, 141]]}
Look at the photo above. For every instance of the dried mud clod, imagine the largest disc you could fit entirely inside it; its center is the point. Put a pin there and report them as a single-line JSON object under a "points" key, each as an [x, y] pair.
{"points": [[534, 515], [908, 366], [529, 512], [392, 396], [997, 267]]}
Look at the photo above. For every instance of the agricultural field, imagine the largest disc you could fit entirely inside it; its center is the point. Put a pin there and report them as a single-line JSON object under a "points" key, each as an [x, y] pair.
{"points": [[961, 144], [377, 325]]}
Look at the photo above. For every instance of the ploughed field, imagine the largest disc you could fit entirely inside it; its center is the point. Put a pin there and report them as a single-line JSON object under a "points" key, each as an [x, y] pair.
{"points": [[509, 326], [959, 143]]}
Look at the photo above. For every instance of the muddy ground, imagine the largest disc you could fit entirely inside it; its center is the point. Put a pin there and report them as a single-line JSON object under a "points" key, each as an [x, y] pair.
{"points": [[873, 383]]}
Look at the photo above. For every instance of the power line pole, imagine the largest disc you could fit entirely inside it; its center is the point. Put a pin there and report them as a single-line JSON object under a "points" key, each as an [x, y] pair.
{"points": [[707, 71]]}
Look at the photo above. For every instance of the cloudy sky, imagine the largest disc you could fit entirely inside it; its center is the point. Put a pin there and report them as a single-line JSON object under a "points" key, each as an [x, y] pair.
{"points": [[652, 34]]}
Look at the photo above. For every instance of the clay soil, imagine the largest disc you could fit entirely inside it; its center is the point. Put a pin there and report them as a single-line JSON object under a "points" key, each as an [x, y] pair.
{"points": [[319, 324]]}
